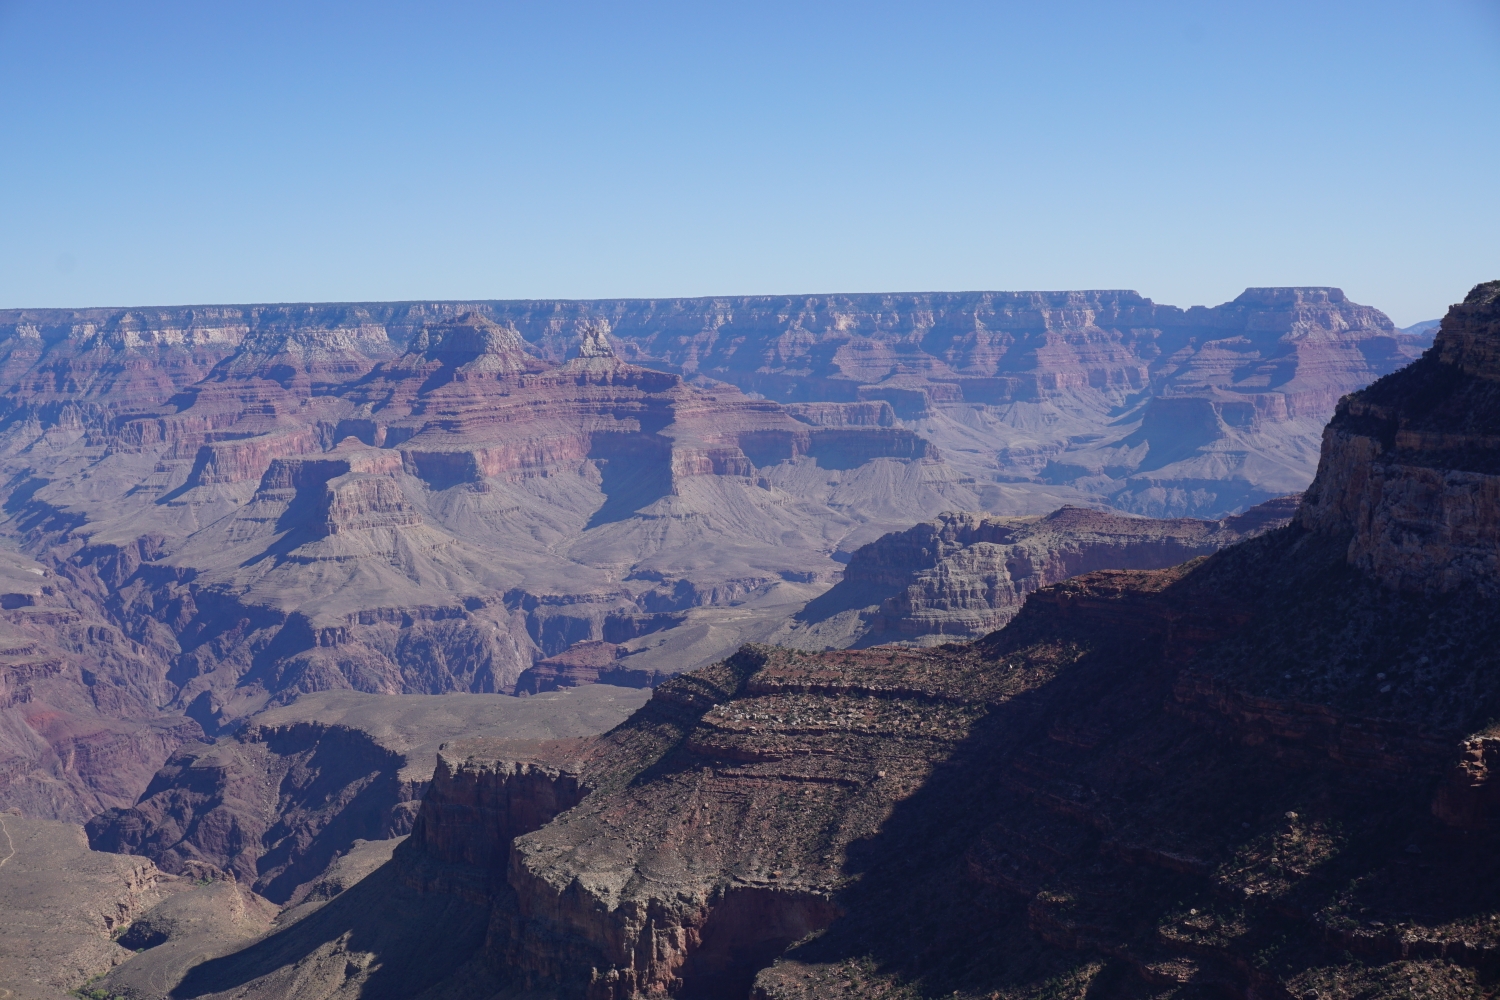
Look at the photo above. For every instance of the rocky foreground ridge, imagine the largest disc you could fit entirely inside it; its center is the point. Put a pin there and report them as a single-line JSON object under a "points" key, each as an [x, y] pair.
{"points": [[1264, 773]]}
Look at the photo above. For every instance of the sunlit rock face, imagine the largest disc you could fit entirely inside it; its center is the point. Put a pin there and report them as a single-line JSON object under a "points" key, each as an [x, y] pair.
{"points": [[1155, 409], [1409, 467]]}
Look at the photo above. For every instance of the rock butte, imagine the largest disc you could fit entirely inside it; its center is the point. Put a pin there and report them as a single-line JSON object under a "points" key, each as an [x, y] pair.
{"points": [[235, 505], [965, 574], [1264, 773]]}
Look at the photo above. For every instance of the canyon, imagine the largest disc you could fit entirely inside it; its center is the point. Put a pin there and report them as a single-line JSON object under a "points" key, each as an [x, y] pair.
{"points": [[212, 511], [1264, 772], [262, 566]]}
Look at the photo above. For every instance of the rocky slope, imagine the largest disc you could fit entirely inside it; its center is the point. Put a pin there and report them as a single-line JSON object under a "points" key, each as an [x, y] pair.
{"points": [[1261, 773], [964, 575], [80, 728], [340, 766], [242, 504], [62, 906]]}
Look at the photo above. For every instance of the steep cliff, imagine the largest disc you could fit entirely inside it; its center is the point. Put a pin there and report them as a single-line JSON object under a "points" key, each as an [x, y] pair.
{"points": [[273, 805], [1410, 465], [967, 574], [1261, 773]]}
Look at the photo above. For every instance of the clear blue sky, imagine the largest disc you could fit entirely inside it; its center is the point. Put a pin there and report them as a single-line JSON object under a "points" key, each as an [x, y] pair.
{"points": [[163, 153]]}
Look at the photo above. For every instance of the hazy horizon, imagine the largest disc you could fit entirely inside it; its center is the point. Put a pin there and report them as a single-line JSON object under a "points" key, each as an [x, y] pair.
{"points": [[653, 298]]}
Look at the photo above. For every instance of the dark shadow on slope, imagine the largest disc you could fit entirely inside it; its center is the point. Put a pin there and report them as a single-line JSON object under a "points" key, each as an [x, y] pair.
{"points": [[1092, 811], [635, 474], [299, 523], [22, 489], [846, 595], [417, 938], [1174, 428], [298, 848]]}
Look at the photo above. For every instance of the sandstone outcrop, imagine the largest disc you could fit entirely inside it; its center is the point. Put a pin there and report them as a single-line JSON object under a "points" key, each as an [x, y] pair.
{"points": [[967, 574], [588, 662], [1409, 465]]}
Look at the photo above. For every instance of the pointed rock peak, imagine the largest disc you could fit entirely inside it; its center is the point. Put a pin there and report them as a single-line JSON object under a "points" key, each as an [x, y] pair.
{"points": [[1470, 334], [593, 339]]}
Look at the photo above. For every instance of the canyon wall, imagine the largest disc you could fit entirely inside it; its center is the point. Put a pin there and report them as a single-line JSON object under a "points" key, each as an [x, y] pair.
{"points": [[965, 575], [1220, 405], [244, 504], [1263, 773]]}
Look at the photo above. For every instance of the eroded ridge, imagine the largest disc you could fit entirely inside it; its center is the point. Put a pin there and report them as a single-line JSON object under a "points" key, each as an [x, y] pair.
{"points": [[1267, 772]]}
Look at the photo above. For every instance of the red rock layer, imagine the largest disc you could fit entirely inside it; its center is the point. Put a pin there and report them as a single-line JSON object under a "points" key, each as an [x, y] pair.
{"points": [[1266, 773]]}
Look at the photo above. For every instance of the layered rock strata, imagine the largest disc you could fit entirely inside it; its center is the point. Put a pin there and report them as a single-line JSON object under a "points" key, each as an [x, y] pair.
{"points": [[1409, 465], [264, 501], [276, 803], [320, 510], [1221, 406], [1264, 773], [587, 662], [967, 574]]}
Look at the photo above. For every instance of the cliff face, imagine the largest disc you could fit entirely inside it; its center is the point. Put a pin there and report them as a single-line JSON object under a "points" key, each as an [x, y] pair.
{"points": [[276, 803], [1264, 773], [967, 574], [1156, 409], [1409, 465]]}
